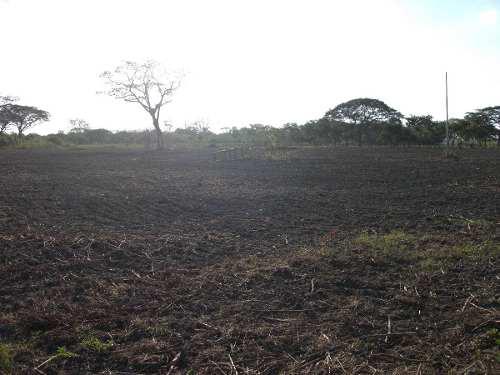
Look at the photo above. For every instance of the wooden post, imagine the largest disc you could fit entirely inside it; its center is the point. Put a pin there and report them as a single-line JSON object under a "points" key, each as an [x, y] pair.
{"points": [[447, 119]]}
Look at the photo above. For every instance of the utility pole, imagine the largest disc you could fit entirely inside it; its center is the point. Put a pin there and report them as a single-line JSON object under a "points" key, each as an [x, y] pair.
{"points": [[447, 118]]}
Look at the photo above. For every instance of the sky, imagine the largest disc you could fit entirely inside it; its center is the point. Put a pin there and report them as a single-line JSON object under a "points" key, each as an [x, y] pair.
{"points": [[251, 61]]}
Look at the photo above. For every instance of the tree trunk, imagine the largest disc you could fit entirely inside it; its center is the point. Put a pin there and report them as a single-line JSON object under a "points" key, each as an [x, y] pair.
{"points": [[159, 135]]}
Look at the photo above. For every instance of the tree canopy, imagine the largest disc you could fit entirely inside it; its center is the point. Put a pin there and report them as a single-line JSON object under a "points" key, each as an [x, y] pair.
{"points": [[475, 127], [491, 118], [364, 111], [365, 117], [6, 115], [24, 117]]}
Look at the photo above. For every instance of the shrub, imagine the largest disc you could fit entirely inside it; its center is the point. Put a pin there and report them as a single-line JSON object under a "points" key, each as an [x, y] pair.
{"points": [[95, 344]]}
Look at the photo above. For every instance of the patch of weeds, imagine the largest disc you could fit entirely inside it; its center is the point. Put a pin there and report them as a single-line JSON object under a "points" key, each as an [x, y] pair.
{"points": [[493, 341], [64, 353], [439, 257], [61, 353], [309, 255], [157, 330], [465, 249], [430, 264], [458, 221], [148, 328], [95, 344], [6, 361], [476, 250], [494, 336], [152, 328], [387, 243]]}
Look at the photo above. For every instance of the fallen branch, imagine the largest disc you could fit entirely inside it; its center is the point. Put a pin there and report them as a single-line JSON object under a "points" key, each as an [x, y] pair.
{"points": [[232, 363]]}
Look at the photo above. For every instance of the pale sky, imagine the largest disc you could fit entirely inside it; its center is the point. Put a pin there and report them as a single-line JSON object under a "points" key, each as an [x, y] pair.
{"points": [[251, 61]]}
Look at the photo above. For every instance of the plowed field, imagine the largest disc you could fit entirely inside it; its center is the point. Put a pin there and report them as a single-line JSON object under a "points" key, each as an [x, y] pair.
{"points": [[347, 260]]}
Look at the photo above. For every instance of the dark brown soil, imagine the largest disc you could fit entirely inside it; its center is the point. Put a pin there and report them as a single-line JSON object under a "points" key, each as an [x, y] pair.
{"points": [[351, 260]]}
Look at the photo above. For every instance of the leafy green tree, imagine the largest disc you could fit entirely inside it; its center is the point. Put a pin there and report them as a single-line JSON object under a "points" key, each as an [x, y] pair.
{"points": [[256, 134], [474, 128], [363, 112], [424, 130], [329, 131], [310, 132], [292, 133], [388, 134], [25, 117], [491, 117]]}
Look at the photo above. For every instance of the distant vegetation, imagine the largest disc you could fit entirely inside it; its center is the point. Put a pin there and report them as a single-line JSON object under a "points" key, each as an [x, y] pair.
{"points": [[357, 122], [17, 117]]}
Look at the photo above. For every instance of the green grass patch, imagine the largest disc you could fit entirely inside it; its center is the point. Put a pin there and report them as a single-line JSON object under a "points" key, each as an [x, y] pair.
{"points": [[6, 359], [426, 252], [64, 353], [393, 242], [459, 222], [486, 248], [431, 264], [97, 345], [436, 257]]}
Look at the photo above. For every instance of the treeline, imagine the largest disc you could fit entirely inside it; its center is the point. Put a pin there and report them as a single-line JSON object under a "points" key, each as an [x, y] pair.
{"points": [[356, 122], [186, 137], [372, 122]]}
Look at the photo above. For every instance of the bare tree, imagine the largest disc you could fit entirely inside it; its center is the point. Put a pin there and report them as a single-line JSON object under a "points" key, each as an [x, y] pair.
{"points": [[78, 125], [202, 126], [24, 117], [147, 84], [168, 126]]}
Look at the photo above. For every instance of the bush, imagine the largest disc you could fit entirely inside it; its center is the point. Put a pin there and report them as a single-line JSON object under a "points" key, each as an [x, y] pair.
{"points": [[55, 140], [95, 344], [7, 140]]}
